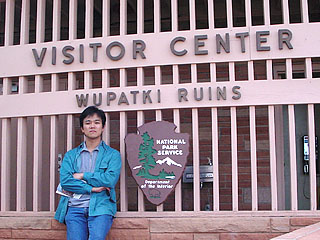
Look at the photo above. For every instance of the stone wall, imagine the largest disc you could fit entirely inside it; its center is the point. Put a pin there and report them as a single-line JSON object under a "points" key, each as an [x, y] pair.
{"points": [[195, 228]]}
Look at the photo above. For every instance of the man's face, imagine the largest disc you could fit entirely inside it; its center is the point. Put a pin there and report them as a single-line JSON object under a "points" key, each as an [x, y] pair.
{"points": [[92, 127]]}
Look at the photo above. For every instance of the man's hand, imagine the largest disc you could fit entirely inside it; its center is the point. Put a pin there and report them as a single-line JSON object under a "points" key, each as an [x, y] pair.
{"points": [[78, 176], [99, 189]]}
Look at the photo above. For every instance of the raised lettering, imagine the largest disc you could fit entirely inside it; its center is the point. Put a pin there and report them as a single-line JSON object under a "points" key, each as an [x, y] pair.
{"points": [[282, 39], [54, 56], [236, 92], [196, 94], [134, 93], [138, 47], [182, 94], [95, 99], [260, 40], [173, 43], [123, 99], [242, 36], [81, 50], [110, 97], [221, 93], [225, 44], [120, 55], [82, 100], [95, 47], [198, 44], [38, 59], [146, 95], [68, 55]]}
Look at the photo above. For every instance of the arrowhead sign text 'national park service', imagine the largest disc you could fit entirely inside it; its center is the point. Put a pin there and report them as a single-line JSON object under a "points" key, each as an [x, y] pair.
{"points": [[157, 157]]}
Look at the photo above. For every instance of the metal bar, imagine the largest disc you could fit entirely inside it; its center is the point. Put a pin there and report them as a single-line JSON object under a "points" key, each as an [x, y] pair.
{"points": [[229, 13], [5, 164], [269, 69], [194, 73], [37, 163], [289, 68], [279, 134], [273, 170], [233, 112], [210, 14], [89, 19], [157, 75], [312, 161], [71, 81], [140, 16], [123, 17], [196, 160], [53, 159], [293, 158], [105, 18], [23, 85], [140, 121], [178, 189], [215, 157], [305, 11], [192, 13], [73, 5], [56, 20], [253, 156], [21, 164], [175, 74], [70, 134], [106, 132], [248, 13], [87, 80], [140, 77], [174, 15], [213, 72], [54, 82], [266, 12], [105, 79], [123, 175], [9, 23], [158, 115], [250, 71], [24, 31], [157, 17], [308, 68], [38, 84], [123, 81], [231, 72], [40, 31], [6, 86], [285, 11]]}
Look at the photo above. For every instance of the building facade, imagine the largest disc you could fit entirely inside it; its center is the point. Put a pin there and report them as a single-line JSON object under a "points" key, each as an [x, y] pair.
{"points": [[241, 77]]}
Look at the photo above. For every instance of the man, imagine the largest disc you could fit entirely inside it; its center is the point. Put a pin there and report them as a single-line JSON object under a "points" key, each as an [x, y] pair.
{"points": [[91, 171]]}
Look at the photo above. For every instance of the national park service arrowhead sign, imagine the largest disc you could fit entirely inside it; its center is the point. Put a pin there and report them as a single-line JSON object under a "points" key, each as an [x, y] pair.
{"points": [[157, 157]]}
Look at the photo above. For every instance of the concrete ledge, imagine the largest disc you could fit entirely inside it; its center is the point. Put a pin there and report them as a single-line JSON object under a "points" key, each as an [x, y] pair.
{"points": [[306, 233], [177, 228]]}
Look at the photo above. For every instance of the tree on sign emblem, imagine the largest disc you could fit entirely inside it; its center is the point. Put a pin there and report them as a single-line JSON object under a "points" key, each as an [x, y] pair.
{"points": [[145, 154]]}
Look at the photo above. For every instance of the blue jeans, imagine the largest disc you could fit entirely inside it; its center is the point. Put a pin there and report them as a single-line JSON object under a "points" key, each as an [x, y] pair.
{"points": [[81, 226]]}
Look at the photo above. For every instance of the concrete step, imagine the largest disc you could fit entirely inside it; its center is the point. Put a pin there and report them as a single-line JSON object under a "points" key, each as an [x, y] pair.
{"points": [[311, 232]]}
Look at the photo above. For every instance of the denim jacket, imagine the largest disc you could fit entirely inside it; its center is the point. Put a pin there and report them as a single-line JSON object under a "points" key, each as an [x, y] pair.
{"points": [[106, 174]]}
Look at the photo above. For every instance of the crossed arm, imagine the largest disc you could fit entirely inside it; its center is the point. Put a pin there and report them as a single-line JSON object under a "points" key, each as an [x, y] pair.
{"points": [[94, 182], [79, 176]]}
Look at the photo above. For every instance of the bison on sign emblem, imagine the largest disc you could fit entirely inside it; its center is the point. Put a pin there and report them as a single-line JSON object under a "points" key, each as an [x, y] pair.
{"points": [[157, 157]]}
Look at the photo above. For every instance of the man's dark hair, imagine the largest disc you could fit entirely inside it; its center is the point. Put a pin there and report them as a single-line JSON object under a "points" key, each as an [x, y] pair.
{"points": [[90, 111]]}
